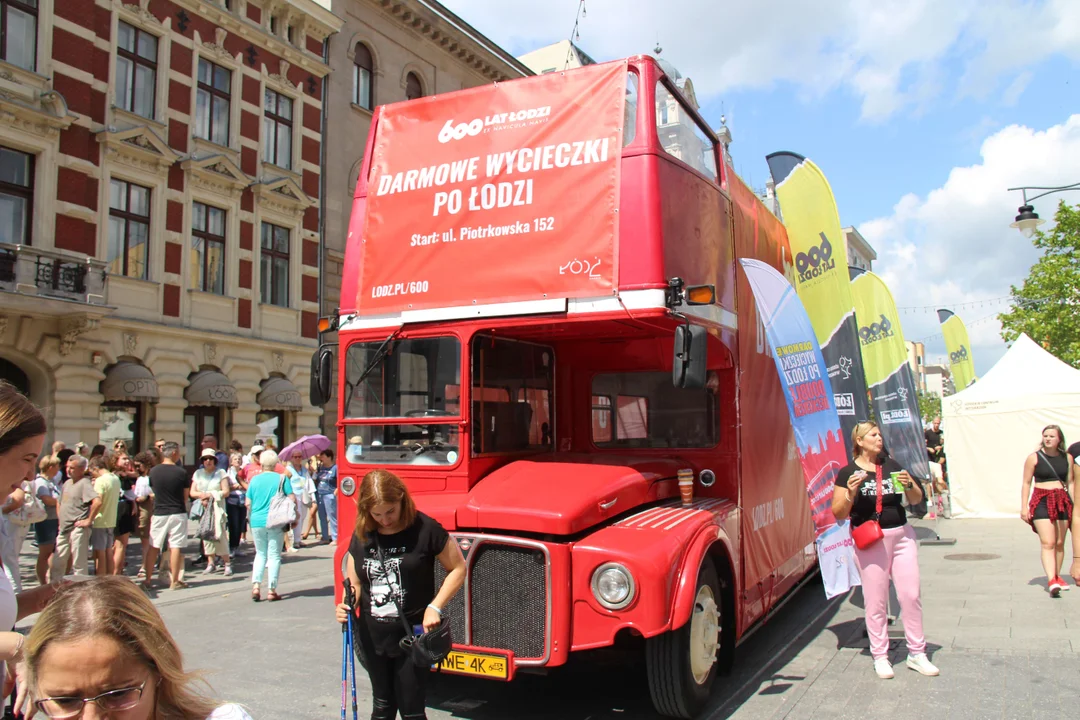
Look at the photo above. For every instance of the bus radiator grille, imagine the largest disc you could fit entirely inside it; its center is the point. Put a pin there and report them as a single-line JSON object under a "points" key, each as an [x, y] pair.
{"points": [[508, 587]]}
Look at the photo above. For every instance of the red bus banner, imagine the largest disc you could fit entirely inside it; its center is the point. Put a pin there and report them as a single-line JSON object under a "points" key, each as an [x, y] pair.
{"points": [[507, 192]]}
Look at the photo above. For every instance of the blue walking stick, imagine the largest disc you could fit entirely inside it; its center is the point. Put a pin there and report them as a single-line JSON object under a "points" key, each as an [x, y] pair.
{"points": [[346, 649], [350, 600]]}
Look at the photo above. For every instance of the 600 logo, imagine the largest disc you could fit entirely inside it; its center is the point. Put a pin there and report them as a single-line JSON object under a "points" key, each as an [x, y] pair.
{"points": [[959, 356], [816, 261], [876, 331]]}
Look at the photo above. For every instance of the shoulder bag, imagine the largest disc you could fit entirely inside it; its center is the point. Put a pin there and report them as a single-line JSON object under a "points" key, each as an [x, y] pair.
{"points": [[207, 527], [870, 531], [428, 649], [32, 510], [282, 511]]}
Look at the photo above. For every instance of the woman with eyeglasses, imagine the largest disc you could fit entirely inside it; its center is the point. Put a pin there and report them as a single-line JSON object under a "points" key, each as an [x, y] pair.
{"points": [[101, 642], [210, 486], [303, 491]]}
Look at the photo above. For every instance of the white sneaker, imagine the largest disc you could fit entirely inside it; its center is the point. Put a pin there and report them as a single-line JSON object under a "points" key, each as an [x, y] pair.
{"points": [[883, 668], [228, 571], [921, 664]]}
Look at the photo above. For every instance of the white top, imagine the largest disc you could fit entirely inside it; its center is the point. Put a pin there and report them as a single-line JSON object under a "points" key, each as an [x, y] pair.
{"points": [[228, 712], [142, 487], [9, 610]]}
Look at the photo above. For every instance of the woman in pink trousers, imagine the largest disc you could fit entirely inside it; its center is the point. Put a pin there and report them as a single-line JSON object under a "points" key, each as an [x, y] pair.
{"points": [[895, 554]]}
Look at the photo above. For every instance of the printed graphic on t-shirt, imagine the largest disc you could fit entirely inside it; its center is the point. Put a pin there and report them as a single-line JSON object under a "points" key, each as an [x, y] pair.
{"points": [[869, 488], [385, 584]]}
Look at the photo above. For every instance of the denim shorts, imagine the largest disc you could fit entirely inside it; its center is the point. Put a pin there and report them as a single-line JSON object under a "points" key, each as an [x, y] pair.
{"points": [[45, 531]]}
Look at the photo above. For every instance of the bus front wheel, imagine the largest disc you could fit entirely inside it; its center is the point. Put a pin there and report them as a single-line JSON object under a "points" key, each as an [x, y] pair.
{"points": [[682, 663]]}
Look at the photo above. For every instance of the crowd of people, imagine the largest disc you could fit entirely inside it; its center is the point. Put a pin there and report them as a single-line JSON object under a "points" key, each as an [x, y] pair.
{"points": [[98, 641], [84, 504]]}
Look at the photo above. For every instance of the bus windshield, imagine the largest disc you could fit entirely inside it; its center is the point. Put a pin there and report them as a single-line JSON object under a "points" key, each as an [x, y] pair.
{"points": [[407, 378]]}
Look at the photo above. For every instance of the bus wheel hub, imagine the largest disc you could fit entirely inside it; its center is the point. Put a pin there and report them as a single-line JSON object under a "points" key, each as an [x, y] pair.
{"points": [[704, 634]]}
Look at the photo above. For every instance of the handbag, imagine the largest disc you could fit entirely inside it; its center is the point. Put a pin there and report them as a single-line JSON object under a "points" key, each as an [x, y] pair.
{"points": [[207, 527], [32, 511], [429, 648], [196, 511], [282, 511], [870, 531]]}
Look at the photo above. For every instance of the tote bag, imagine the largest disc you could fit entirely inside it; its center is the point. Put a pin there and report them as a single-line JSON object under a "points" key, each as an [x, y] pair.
{"points": [[282, 511]]}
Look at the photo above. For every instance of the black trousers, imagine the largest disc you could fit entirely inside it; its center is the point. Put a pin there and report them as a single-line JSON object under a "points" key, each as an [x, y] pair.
{"points": [[397, 685], [236, 515]]}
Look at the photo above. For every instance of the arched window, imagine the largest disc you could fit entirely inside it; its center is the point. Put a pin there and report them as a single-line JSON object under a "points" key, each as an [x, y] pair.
{"points": [[363, 77], [413, 88]]}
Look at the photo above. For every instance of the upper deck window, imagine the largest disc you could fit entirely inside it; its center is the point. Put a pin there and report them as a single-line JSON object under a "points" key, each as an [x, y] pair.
{"points": [[644, 410], [631, 109], [413, 378], [512, 396], [681, 136]]}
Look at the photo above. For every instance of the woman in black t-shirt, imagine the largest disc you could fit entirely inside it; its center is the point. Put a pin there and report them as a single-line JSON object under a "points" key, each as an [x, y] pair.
{"points": [[895, 555], [1049, 507], [404, 576]]}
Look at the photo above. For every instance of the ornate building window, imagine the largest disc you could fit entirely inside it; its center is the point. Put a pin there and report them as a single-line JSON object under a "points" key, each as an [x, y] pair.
{"points": [[16, 196], [413, 88], [18, 32], [277, 129], [208, 248], [363, 77], [136, 70], [129, 229], [212, 102], [274, 265]]}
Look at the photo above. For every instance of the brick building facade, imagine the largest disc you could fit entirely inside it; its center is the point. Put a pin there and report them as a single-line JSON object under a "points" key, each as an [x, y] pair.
{"points": [[160, 223]]}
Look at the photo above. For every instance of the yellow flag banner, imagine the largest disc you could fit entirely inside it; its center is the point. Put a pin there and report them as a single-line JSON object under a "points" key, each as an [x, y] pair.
{"points": [[821, 278], [961, 361], [889, 378]]}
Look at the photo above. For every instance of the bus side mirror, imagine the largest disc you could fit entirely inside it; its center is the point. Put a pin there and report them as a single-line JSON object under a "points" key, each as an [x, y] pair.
{"points": [[688, 364], [322, 376]]}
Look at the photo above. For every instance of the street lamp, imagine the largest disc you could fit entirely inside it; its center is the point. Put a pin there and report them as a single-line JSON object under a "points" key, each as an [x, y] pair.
{"points": [[1028, 219]]}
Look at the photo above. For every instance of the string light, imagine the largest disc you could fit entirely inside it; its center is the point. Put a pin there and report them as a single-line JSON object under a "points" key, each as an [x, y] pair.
{"points": [[575, 34], [994, 316]]}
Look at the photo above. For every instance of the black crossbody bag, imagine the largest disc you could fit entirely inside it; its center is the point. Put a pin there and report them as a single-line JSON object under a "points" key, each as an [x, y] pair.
{"points": [[428, 649]]}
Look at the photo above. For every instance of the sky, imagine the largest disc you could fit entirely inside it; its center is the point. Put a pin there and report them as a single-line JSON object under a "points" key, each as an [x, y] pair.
{"points": [[921, 113]]}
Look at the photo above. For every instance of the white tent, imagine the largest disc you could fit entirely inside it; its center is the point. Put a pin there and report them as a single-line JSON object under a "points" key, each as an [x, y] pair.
{"points": [[991, 427]]}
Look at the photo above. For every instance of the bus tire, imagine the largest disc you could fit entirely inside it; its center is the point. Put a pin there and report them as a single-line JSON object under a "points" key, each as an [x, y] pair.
{"points": [[682, 663]]}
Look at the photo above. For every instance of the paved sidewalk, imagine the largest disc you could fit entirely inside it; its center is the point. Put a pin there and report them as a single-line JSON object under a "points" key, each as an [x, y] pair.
{"points": [[1005, 648]]}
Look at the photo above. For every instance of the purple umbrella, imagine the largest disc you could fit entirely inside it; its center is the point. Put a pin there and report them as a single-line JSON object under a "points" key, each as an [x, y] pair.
{"points": [[309, 446]]}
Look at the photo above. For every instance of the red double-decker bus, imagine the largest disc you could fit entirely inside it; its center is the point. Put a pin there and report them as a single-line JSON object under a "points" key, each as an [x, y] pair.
{"points": [[543, 326]]}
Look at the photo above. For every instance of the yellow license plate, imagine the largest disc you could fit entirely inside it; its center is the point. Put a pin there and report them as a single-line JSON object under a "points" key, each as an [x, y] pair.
{"points": [[496, 667]]}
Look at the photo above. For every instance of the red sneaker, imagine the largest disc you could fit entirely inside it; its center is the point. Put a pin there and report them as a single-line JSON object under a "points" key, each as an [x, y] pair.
{"points": [[1054, 586]]}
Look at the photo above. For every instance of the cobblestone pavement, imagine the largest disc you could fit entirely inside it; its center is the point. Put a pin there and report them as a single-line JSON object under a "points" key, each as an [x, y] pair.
{"points": [[1005, 648]]}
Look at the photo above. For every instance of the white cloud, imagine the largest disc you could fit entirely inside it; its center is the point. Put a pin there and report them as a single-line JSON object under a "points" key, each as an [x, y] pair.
{"points": [[954, 245], [891, 54]]}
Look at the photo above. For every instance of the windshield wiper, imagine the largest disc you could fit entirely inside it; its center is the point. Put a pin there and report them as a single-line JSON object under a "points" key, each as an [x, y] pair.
{"points": [[433, 445], [377, 358]]}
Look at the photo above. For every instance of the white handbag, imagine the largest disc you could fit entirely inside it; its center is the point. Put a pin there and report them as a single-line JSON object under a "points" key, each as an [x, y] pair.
{"points": [[282, 511]]}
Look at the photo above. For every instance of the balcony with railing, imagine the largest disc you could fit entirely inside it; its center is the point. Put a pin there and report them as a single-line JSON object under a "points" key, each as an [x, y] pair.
{"points": [[50, 275]]}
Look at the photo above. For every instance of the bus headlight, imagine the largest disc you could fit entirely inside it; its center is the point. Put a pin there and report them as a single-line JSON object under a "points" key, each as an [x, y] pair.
{"points": [[613, 586]]}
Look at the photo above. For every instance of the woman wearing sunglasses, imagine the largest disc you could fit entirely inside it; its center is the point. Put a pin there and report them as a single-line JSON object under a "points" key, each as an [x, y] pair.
{"points": [[100, 649]]}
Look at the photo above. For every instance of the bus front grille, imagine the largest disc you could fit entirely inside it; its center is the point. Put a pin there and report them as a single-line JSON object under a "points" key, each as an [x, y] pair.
{"points": [[508, 592]]}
